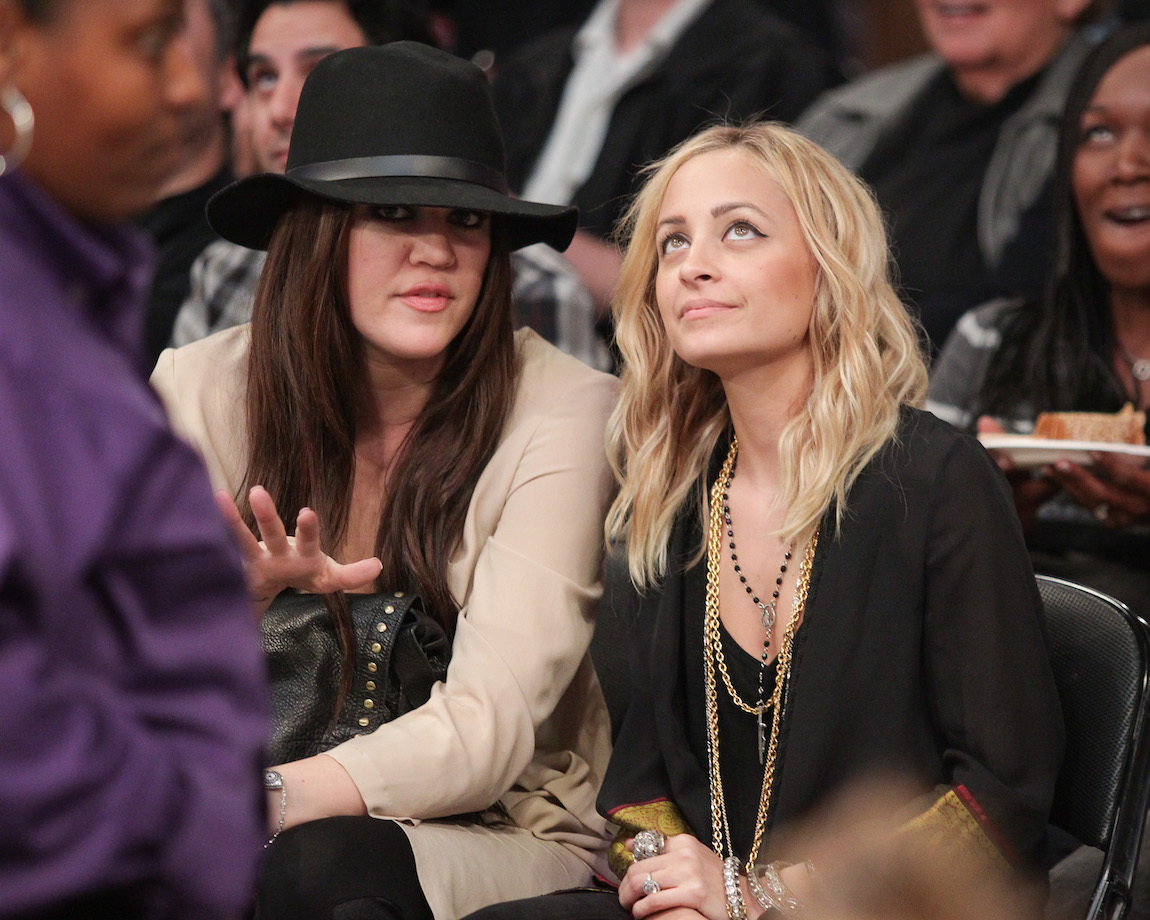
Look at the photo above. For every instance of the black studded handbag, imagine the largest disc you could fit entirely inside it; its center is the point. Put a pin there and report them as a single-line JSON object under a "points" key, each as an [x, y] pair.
{"points": [[400, 652]]}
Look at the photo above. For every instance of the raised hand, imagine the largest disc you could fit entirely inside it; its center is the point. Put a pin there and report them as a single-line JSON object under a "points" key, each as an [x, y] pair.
{"points": [[278, 561]]}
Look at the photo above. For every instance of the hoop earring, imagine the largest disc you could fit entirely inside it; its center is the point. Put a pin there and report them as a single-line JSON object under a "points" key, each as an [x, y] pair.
{"points": [[16, 107]]}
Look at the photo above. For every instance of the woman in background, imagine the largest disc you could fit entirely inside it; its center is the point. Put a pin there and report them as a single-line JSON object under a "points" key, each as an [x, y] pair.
{"points": [[1086, 345]]}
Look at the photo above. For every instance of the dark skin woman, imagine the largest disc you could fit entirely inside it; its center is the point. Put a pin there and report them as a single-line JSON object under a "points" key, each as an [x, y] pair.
{"points": [[1084, 347], [134, 700]]}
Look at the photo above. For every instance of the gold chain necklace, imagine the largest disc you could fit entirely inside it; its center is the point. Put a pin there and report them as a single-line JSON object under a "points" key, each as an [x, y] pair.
{"points": [[713, 659]]}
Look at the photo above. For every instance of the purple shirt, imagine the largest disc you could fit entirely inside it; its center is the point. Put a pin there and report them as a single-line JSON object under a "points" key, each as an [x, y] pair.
{"points": [[132, 704]]}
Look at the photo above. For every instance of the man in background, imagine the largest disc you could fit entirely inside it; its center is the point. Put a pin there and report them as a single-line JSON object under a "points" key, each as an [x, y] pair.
{"points": [[177, 224], [280, 41]]}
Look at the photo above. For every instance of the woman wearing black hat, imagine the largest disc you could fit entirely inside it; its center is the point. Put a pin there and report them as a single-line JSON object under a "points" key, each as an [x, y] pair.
{"points": [[380, 390]]}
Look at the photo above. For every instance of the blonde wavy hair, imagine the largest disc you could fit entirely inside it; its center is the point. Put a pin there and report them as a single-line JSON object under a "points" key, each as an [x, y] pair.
{"points": [[866, 351]]}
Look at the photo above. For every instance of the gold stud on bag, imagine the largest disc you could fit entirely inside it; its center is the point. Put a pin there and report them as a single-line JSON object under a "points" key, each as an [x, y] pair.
{"points": [[400, 653]]}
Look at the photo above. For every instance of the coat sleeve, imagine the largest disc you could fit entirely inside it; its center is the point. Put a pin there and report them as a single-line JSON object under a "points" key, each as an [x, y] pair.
{"points": [[987, 667], [535, 534]]}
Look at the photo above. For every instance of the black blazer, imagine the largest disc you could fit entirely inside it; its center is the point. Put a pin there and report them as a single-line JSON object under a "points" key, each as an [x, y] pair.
{"points": [[922, 652]]}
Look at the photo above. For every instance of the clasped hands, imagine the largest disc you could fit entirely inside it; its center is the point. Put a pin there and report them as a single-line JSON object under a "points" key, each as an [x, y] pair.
{"points": [[689, 876], [278, 561]]}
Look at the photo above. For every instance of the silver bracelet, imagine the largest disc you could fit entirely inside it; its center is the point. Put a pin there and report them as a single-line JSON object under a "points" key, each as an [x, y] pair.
{"points": [[273, 780], [736, 906]]}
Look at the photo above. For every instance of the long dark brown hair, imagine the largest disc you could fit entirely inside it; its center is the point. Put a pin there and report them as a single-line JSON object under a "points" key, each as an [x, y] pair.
{"points": [[305, 374]]}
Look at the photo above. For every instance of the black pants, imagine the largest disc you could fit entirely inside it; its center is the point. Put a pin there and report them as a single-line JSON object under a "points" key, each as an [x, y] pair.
{"points": [[581, 904], [349, 868]]}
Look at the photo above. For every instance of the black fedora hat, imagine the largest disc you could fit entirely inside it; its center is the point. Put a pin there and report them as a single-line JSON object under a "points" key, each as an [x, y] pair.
{"points": [[404, 124]]}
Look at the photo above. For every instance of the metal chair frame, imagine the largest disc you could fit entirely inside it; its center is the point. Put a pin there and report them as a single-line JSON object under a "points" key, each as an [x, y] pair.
{"points": [[1103, 790]]}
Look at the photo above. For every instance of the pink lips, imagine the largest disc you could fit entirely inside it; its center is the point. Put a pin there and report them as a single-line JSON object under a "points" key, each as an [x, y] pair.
{"points": [[699, 309], [427, 297]]}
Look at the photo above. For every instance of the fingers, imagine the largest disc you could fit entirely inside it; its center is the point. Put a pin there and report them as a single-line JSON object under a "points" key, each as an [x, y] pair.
{"points": [[1083, 487], [656, 889], [356, 575], [642, 893], [280, 561], [268, 519], [631, 889], [1118, 500], [1030, 493], [1126, 473], [688, 874], [988, 425], [307, 533]]}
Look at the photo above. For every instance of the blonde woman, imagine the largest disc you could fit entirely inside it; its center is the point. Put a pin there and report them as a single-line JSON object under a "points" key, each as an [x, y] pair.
{"points": [[832, 583]]}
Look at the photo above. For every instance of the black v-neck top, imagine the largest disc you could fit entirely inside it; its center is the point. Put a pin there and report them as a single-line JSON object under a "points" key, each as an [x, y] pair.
{"points": [[922, 651]]}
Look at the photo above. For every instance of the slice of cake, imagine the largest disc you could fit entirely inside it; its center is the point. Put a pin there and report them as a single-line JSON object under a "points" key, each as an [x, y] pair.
{"points": [[1123, 427]]}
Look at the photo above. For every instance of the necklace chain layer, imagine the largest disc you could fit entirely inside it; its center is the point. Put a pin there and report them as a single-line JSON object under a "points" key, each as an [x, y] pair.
{"points": [[713, 660], [766, 612]]}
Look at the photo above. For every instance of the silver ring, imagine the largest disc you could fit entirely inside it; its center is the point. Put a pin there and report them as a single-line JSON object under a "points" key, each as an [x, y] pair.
{"points": [[650, 886], [647, 844], [1102, 512]]}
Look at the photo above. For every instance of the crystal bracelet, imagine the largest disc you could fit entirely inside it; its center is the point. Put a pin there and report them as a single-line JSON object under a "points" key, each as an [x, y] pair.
{"points": [[770, 890], [736, 906]]}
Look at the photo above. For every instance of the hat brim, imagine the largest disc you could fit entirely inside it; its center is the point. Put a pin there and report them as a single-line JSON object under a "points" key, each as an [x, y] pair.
{"points": [[247, 211]]}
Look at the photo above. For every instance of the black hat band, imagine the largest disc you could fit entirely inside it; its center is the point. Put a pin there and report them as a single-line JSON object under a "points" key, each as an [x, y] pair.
{"points": [[413, 165]]}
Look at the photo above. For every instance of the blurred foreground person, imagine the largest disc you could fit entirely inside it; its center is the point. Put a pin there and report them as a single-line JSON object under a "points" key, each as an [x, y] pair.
{"points": [[872, 866], [132, 709]]}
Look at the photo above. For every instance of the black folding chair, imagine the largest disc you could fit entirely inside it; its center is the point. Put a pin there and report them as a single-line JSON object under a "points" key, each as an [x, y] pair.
{"points": [[1100, 651]]}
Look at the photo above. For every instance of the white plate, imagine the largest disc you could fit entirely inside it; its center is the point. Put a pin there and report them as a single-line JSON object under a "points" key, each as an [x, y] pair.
{"points": [[1027, 451]]}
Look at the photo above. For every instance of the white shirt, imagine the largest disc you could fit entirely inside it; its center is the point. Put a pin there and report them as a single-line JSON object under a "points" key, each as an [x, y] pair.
{"points": [[600, 77]]}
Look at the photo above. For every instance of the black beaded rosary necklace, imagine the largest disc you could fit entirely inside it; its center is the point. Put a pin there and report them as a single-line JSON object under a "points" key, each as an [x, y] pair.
{"points": [[766, 610]]}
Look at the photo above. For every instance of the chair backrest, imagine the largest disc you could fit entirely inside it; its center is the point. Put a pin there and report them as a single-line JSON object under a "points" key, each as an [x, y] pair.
{"points": [[1100, 653]]}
